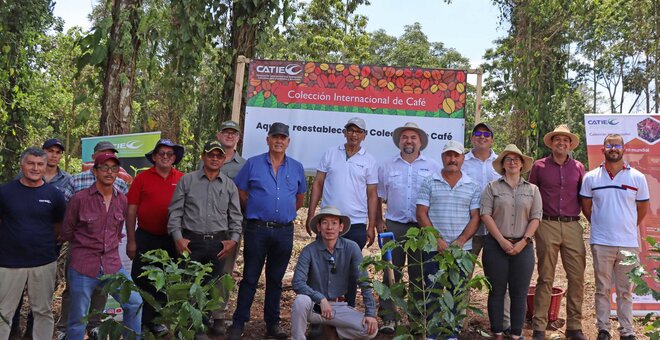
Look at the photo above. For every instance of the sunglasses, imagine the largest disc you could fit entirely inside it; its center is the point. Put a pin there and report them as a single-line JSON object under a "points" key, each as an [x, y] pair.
{"points": [[613, 146], [486, 134], [105, 168], [165, 154], [333, 265]]}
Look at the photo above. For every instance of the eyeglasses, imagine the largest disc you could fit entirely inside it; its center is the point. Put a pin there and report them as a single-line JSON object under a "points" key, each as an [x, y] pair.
{"points": [[229, 132], [512, 160], [355, 131], [613, 146], [333, 265], [485, 134], [105, 168], [165, 154]]}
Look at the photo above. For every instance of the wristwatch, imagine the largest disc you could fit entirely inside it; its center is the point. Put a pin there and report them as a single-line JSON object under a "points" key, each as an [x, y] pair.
{"points": [[528, 239]]}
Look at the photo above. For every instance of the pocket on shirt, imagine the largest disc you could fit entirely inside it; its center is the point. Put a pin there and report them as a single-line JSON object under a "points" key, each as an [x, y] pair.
{"points": [[88, 221], [395, 178]]}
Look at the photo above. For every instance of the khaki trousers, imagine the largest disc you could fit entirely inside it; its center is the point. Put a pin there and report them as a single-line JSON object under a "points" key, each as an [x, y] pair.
{"points": [[40, 287], [607, 270], [554, 238], [347, 320]]}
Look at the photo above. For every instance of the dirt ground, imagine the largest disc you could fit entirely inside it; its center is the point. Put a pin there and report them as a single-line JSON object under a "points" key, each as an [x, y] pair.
{"points": [[477, 326]]}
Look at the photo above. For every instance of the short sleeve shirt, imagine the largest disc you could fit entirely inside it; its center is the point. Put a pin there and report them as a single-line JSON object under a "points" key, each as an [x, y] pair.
{"points": [[511, 208], [559, 185], [152, 195], [346, 181], [614, 205]]}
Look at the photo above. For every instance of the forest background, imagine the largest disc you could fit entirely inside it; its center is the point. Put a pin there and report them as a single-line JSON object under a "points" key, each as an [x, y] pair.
{"points": [[148, 65]]}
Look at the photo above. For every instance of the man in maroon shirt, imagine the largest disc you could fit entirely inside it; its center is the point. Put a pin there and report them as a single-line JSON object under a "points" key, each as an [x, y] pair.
{"points": [[148, 199], [93, 224], [559, 178]]}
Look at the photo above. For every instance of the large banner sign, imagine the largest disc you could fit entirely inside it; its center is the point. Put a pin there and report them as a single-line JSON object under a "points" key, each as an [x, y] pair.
{"points": [[317, 99], [641, 134]]}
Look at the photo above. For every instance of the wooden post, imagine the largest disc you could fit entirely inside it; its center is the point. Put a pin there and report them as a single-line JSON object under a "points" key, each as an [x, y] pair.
{"points": [[238, 88], [477, 111]]}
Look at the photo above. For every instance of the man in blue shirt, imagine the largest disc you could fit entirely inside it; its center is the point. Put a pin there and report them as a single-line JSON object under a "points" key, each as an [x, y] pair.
{"points": [[326, 268], [271, 188]]}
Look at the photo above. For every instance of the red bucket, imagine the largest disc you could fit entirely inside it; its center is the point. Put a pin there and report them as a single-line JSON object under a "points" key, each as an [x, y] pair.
{"points": [[555, 303]]}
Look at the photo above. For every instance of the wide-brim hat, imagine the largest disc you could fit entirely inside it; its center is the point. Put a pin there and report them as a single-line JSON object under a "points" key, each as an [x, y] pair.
{"points": [[396, 135], [561, 130], [512, 148], [178, 150], [330, 211]]}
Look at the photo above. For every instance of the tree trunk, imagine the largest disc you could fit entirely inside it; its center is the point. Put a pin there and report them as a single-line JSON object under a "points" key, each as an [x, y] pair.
{"points": [[116, 103]]}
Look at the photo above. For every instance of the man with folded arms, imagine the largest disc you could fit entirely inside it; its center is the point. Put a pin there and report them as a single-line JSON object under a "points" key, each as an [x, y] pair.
{"points": [[559, 177], [205, 217], [322, 277]]}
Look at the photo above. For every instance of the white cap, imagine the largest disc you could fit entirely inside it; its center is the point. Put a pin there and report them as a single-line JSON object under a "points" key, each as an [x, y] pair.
{"points": [[357, 121], [454, 146]]}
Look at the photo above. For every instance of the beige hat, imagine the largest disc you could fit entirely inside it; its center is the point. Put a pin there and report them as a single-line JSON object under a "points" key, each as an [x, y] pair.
{"points": [[330, 211], [561, 130], [396, 135], [512, 148], [455, 146]]}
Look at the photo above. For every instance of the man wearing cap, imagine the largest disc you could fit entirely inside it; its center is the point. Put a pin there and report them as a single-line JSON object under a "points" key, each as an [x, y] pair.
{"points": [[272, 187], [205, 217], [31, 211], [559, 177], [148, 199], [322, 278], [93, 226], [79, 182], [399, 179], [615, 200], [449, 201]]}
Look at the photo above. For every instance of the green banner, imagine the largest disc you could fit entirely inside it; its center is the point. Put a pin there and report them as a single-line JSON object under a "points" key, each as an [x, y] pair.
{"points": [[133, 145]]}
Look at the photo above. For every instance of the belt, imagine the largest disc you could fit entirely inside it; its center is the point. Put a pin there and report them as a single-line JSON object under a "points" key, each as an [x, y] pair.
{"points": [[269, 224], [193, 235], [561, 218], [514, 239], [337, 299]]}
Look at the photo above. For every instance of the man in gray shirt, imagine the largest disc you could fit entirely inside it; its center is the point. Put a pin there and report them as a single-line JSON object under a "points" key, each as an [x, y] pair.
{"points": [[205, 216], [325, 269]]}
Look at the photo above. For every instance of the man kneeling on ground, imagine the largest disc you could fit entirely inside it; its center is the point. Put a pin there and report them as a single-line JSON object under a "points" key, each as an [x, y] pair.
{"points": [[325, 269]]}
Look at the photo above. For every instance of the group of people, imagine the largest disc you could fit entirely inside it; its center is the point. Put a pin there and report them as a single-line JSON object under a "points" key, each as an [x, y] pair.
{"points": [[477, 200]]}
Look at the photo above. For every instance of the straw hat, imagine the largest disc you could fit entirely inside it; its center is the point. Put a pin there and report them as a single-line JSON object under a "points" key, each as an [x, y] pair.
{"points": [[512, 148], [561, 130], [330, 211], [423, 137]]}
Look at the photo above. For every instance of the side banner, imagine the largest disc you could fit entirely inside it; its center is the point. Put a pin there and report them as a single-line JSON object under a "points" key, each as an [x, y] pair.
{"points": [[641, 134], [317, 99]]}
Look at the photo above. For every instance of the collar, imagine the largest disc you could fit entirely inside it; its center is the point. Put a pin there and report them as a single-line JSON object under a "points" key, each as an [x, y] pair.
{"points": [[360, 152], [464, 178], [94, 191], [522, 180], [320, 246], [470, 155], [399, 158], [267, 157], [626, 165], [551, 159], [202, 174]]}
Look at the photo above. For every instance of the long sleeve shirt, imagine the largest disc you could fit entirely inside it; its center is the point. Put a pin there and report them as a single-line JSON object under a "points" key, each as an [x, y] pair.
{"points": [[94, 232], [313, 275], [205, 206]]}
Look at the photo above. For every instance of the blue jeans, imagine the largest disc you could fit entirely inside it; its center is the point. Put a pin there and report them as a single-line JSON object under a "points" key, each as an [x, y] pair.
{"points": [[358, 234], [81, 288], [262, 242]]}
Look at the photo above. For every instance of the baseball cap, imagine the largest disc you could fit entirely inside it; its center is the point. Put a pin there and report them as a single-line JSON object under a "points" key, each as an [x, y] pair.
{"points": [[357, 121], [213, 145], [53, 142], [483, 125], [100, 159], [105, 145], [454, 146], [278, 128], [230, 124]]}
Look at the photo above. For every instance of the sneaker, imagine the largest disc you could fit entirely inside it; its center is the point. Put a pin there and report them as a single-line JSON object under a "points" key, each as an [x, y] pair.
{"points": [[388, 327], [315, 331], [218, 327], [538, 335], [235, 332], [628, 337], [159, 330], [603, 335], [93, 334], [60, 335], [575, 334], [274, 331]]}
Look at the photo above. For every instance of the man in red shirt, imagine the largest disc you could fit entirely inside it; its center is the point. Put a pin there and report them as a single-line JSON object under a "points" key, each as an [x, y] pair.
{"points": [[559, 178], [148, 199]]}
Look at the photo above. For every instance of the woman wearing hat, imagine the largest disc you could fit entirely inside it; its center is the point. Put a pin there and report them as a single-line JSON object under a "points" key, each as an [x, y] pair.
{"points": [[511, 209]]}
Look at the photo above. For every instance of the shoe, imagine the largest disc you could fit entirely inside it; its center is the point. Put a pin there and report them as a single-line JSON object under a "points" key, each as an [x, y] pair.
{"points": [[202, 336], [603, 335], [274, 331], [60, 335], [218, 327], [235, 332], [575, 334], [388, 327], [538, 335], [315, 331], [628, 337], [498, 336], [159, 330], [93, 334], [15, 331]]}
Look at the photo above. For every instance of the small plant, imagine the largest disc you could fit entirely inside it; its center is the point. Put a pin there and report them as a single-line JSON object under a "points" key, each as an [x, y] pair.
{"points": [[638, 277], [191, 294], [439, 305]]}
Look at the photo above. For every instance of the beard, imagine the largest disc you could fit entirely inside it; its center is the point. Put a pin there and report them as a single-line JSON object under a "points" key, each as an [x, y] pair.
{"points": [[613, 157], [408, 150]]}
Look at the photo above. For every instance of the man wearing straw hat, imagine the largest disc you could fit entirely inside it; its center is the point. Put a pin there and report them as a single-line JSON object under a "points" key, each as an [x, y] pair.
{"points": [[559, 177], [399, 179], [326, 269]]}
